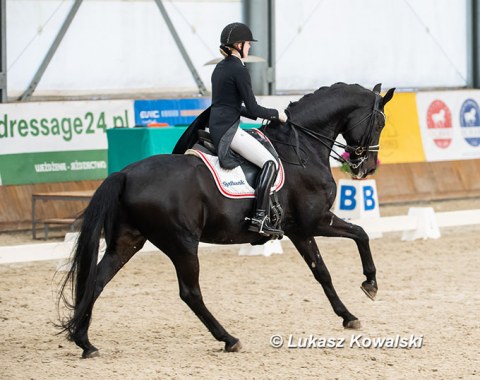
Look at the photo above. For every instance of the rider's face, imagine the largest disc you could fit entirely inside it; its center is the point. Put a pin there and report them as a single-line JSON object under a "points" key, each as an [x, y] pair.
{"points": [[246, 49]]}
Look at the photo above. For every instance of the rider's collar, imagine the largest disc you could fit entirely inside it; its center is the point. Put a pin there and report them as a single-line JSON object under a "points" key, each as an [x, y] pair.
{"points": [[237, 56]]}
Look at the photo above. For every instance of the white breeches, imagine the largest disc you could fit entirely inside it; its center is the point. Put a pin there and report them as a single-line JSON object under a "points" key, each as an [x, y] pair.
{"points": [[251, 149]]}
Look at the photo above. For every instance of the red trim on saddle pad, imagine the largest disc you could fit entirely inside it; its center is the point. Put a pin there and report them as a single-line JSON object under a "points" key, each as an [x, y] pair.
{"points": [[218, 180]]}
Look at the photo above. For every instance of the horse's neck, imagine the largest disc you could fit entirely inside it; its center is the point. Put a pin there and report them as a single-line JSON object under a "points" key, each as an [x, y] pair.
{"points": [[325, 131], [331, 118], [290, 141]]}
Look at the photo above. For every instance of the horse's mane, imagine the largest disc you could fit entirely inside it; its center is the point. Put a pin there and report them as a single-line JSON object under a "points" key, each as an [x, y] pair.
{"points": [[324, 97]]}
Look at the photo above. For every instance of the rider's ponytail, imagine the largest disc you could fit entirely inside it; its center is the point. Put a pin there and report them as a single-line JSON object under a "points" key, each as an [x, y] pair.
{"points": [[225, 50]]}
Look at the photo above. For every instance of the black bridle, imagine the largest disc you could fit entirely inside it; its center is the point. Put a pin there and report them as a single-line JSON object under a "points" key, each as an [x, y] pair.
{"points": [[361, 150]]}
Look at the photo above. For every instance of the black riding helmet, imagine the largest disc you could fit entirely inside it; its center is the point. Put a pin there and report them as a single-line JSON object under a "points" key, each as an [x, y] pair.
{"points": [[235, 32]]}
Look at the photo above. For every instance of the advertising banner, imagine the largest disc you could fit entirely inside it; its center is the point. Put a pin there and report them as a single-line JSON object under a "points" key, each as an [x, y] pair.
{"points": [[401, 141], [357, 199], [169, 111], [58, 141], [450, 124]]}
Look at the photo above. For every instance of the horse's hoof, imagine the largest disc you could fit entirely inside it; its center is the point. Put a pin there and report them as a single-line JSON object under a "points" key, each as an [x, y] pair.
{"points": [[352, 325], [370, 289], [235, 347], [88, 354]]}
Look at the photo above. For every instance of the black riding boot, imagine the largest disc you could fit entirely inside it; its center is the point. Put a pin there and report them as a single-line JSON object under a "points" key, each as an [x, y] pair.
{"points": [[260, 221]]}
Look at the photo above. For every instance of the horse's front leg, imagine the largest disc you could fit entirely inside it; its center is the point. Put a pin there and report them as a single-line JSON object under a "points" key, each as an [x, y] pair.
{"points": [[336, 227], [310, 253]]}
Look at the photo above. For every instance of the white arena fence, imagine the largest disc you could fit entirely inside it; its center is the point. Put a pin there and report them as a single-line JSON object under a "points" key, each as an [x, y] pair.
{"points": [[420, 223]]}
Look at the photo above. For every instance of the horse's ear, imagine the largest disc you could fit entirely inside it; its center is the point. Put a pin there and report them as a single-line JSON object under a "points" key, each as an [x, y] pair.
{"points": [[388, 96], [377, 88]]}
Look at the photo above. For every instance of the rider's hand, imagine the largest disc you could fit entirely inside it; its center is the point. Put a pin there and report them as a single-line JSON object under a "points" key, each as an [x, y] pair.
{"points": [[282, 116]]}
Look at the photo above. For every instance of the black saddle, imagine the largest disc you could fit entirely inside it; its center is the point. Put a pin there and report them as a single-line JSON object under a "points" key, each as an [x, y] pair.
{"points": [[205, 144]]}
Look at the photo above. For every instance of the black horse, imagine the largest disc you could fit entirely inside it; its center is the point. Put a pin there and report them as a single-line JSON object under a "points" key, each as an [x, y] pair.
{"points": [[172, 201]]}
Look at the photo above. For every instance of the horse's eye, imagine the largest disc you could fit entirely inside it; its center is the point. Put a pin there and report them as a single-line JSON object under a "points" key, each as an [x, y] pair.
{"points": [[380, 125]]}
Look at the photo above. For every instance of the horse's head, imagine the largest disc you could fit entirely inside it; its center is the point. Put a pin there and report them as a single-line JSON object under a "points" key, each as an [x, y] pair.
{"points": [[350, 110], [362, 133]]}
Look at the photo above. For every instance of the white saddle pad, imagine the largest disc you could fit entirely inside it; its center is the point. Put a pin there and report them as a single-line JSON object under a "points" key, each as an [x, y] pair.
{"points": [[232, 183]]}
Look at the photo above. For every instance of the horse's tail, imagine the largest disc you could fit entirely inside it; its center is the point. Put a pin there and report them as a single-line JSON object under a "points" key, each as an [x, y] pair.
{"points": [[99, 215]]}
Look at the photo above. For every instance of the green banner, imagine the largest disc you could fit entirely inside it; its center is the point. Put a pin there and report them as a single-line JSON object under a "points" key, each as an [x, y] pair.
{"points": [[27, 168]]}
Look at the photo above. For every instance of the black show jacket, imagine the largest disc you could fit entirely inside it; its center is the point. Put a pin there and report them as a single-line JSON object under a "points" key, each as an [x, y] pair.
{"points": [[231, 86]]}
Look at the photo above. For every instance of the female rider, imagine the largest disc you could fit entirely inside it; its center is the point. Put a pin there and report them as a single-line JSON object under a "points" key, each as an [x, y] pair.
{"points": [[231, 86]]}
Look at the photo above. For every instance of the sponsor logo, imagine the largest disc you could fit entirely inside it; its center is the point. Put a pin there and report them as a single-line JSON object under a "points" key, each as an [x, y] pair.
{"points": [[439, 123], [149, 114], [233, 183], [470, 122]]}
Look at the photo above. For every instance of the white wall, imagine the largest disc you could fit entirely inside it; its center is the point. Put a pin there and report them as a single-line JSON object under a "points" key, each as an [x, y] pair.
{"points": [[123, 46], [372, 41]]}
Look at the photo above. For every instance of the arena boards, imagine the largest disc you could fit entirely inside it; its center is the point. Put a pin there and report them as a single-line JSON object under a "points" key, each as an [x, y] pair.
{"points": [[420, 223]]}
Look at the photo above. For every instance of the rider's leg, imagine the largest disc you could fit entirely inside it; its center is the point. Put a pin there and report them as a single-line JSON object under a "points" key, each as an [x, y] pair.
{"points": [[260, 221], [249, 148]]}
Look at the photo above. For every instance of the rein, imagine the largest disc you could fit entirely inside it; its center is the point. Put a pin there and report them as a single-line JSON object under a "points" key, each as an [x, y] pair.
{"points": [[296, 147], [360, 150]]}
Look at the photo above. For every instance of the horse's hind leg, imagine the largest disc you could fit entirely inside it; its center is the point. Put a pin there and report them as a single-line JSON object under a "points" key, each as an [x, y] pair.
{"points": [[187, 267], [127, 243]]}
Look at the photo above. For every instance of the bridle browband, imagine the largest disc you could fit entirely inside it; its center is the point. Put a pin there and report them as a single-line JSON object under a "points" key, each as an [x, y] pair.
{"points": [[361, 150]]}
